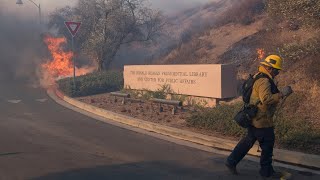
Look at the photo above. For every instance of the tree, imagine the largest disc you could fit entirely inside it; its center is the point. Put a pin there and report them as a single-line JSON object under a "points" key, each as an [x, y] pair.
{"points": [[109, 24], [57, 19]]}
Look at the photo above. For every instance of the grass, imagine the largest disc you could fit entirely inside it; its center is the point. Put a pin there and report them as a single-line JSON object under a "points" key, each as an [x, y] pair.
{"points": [[161, 93], [218, 119], [291, 133], [297, 50], [298, 134]]}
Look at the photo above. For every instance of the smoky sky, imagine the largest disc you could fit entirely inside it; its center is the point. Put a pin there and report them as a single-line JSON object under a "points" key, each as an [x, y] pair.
{"points": [[21, 46], [29, 10], [174, 6]]}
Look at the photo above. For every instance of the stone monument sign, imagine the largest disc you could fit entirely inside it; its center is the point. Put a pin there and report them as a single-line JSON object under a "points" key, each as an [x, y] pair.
{"points": [[202, 80]]}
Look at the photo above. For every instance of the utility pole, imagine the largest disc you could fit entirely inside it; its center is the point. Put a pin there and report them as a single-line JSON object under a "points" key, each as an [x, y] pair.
{"points": [[19, 2]]}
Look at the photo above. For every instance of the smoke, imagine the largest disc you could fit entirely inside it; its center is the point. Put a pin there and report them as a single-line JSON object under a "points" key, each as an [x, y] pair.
{"points": [[21, 44], [175, 6], [184, 19], [20, 48], [30, 11]]}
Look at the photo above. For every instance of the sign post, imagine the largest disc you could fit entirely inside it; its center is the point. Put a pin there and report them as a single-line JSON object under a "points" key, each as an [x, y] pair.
{"points": [[73, 28]]}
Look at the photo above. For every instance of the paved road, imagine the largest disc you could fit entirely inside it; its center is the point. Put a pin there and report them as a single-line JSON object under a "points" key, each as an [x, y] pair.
{"points": [[40, 139]]}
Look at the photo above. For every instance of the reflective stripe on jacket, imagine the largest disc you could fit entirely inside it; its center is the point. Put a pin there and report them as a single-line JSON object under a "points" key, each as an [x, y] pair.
{"points": [[268, 101]]}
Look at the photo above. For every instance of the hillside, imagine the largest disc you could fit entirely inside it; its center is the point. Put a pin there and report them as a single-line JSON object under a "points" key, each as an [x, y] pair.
{"points": [[235, 40], [213, 44]]}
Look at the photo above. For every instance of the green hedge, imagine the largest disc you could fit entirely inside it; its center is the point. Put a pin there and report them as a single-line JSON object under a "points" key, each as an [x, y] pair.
{"points": [[295, 134], [91, 84]]}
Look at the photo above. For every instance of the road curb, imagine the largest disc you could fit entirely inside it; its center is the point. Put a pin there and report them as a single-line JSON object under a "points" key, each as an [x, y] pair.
{"points": [[285, 156]]}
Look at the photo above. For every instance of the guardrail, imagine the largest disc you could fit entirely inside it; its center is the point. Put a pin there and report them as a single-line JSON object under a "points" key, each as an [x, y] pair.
{"points": [[174, 103], [124, 96]]}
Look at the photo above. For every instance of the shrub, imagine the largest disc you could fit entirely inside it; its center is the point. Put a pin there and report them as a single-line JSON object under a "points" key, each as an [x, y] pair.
{"points": [[95, 83], [298, 50], [218, 119], [305, 12], [179, 97], [146, 94], [295, 133], [161, 93]]}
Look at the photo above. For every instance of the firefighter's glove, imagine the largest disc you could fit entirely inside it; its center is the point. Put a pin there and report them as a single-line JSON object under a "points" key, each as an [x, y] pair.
{"points": [[286, 91]]}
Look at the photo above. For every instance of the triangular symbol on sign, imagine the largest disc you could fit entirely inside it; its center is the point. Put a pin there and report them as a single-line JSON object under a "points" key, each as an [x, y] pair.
{"points": [[73, 27]]}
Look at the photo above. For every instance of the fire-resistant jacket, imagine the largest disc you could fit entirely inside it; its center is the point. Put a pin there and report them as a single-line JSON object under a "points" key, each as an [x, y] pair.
{"points": [[268, 101]]}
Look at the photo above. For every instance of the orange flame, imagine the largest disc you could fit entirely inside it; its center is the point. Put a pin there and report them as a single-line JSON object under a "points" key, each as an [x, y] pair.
{"points": [[61, 64], [261, 53]]}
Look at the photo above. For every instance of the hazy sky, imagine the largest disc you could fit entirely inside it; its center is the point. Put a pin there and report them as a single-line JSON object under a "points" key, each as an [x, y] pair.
{"points": [[172, 6], [30, 10]]}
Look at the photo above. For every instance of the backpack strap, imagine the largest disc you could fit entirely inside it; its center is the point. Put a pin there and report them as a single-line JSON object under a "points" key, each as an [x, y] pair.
{"points": [[274, 88], [258, 76], [247, 87]]}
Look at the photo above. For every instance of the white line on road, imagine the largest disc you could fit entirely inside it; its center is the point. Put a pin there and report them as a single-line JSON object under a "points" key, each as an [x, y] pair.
{"points": [[14, 101], [41, 100]]}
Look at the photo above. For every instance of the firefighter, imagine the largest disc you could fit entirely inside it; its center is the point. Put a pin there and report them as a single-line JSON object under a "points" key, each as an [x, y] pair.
{"points": [[266, 94]]}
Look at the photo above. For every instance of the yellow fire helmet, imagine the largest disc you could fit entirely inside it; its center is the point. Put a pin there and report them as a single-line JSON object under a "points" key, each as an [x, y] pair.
{"points": [[274, 61]]}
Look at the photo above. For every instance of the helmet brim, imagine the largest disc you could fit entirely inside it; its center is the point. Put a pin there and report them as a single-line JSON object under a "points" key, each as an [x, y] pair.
{"points": [[270, 65]]}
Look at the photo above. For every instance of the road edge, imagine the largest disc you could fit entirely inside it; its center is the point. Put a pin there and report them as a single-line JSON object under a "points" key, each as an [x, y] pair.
{"points": [[284, 156]]}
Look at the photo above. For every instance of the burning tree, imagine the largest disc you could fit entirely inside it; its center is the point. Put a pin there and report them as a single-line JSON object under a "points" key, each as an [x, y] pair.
{"points": [[109, 24]]}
